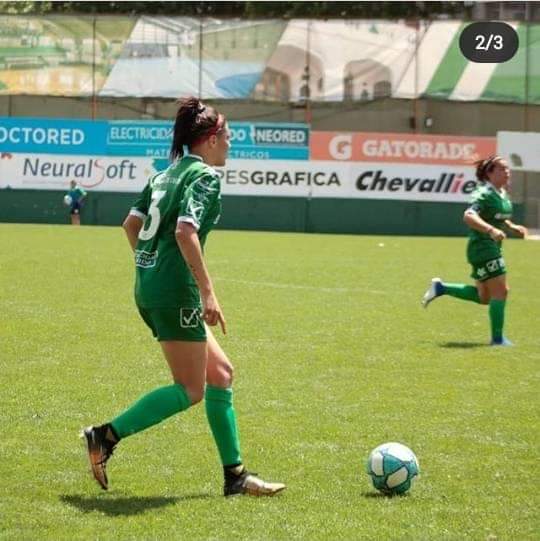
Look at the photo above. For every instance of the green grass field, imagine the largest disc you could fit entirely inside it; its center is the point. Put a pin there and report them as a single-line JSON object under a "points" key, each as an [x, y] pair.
{"points": [[334, 355]]}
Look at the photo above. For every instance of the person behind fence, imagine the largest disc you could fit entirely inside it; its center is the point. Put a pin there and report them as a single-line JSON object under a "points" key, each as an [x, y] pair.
{"points": [[74, 199], [487, 217], [167, 229]]}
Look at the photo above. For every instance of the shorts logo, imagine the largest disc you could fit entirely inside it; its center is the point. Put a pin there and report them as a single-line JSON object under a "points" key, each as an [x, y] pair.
{"points": [[495, 265], [491, 266], [189, 318]]}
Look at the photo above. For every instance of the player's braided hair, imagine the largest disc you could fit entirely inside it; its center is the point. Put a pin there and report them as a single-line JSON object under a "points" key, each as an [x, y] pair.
{"points": [[194, 121], [485, 166]]}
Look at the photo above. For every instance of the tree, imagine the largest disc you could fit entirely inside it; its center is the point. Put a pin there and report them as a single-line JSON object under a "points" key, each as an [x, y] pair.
{"points": [[245, 10]]}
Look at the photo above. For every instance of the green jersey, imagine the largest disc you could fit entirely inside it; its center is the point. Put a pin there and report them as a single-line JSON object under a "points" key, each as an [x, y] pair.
{"points": [[494, 207], [187, 191]]}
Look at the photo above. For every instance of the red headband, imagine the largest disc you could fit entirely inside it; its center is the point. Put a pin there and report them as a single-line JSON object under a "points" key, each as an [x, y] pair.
{"points": [[488, 162], [213, 131]]}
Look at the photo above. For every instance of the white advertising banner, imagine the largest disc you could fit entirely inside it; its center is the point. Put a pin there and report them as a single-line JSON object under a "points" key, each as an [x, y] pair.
{"points": [[323, 179], [55, 171], [350, 180], [521, 149]]}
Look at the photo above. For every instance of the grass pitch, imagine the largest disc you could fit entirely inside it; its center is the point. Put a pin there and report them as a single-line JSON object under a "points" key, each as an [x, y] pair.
{"points": [[334, 355]]}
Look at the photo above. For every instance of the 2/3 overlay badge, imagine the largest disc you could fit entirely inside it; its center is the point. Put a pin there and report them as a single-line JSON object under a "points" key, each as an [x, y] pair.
{"points": [[489, 42]]}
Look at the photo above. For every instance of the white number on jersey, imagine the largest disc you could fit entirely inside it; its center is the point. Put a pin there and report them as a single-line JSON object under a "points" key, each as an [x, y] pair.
{"points": [[154, 215]]}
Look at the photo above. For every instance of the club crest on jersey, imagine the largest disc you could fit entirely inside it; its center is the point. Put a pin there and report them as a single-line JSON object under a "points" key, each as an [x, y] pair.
{"points": [[189, 317]]}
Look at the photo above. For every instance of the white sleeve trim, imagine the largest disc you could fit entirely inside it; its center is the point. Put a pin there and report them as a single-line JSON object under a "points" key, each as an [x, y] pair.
{"points": [[470, 210], [138, 213], [189, 220]]}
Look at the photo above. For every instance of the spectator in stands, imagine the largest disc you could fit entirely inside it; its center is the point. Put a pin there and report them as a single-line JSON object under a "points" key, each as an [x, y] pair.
{"points": [[74, 199]]}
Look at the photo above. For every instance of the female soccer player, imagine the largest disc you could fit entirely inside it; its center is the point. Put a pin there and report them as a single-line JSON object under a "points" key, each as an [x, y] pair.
{"points": [[489, 213], [167, 229]]}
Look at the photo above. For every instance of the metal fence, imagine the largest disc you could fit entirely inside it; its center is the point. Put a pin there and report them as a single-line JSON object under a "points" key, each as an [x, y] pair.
{"points": [[294, 61]]}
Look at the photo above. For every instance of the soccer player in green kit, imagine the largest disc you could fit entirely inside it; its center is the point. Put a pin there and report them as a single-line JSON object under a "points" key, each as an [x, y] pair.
{"points": [[167, 229], [489, 213]]}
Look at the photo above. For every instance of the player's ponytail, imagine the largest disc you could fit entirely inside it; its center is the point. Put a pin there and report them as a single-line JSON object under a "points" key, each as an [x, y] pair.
{"points": [[194, 122], [483, 167]]}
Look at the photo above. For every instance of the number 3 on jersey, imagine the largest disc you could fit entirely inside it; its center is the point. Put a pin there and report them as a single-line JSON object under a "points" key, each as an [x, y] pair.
{"points": [[154, 215]]}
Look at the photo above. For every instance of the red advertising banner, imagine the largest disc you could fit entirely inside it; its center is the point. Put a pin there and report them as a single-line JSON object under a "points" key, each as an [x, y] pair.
{"points": [[400, 148]]}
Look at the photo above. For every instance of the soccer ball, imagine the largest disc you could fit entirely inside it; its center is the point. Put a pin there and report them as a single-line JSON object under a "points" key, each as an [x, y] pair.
{"points": [[392, 467], [67, 200]]}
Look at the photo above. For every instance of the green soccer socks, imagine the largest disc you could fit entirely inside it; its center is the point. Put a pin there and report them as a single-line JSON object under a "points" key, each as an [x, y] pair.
{"points": [[462, 291], [222, 420], [151, 409], [496, 318]]}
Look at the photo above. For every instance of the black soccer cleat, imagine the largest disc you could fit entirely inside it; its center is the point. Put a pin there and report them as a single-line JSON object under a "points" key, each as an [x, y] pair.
{"points": [[249, 483], [100, 449]]}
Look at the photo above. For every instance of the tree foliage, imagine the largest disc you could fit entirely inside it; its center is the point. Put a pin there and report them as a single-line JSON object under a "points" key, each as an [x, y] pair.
{"points": [[244, 10]]}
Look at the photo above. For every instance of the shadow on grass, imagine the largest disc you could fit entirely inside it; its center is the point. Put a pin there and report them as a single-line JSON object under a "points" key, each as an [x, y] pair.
{"points": [[125, 505], [463, 345], [380, 496]]}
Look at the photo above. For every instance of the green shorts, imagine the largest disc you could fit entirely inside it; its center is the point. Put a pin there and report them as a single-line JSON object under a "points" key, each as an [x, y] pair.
{"points": [[182, 323], [488, 269]]}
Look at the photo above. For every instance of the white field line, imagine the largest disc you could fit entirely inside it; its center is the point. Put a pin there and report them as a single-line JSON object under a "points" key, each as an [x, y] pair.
{"points": [[280, 285], [534, 234]]}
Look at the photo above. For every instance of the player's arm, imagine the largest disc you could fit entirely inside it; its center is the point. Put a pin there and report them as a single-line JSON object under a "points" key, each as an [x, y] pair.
{"points": [[190, 246], [200, 196], [474, 221], [132, 226], [519, 230], [137, 215]]}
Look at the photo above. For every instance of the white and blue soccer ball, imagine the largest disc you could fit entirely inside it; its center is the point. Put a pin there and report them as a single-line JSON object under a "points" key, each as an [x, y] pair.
{"points": [[67, 200], [392, 468]]}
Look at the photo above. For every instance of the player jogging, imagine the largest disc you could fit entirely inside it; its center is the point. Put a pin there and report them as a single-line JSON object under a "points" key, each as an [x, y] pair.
{"points": [[489, 212], [167, 229]]}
